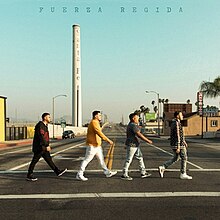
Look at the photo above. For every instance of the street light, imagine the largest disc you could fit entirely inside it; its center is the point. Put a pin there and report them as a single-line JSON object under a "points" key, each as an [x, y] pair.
{"points": [[158, 117], [54, 110]]}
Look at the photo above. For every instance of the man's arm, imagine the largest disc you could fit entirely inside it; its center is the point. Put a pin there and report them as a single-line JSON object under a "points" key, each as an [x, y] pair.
{"points": [[178, 137], [44, 142], [143, 137], [98, 131]]}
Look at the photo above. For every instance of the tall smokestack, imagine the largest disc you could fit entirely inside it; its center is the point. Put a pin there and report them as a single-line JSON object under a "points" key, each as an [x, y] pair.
{"points": [[76, 79]]}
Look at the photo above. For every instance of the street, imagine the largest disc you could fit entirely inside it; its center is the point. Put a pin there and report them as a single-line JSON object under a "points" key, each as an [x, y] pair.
{"points": [[64, 197]]}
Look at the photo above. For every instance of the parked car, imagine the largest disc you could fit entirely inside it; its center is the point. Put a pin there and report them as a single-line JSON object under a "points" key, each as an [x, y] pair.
{"points": [[68, 134]]}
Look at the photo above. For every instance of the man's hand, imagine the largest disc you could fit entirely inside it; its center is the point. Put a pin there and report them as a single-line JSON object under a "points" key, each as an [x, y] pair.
{"points": [[48, 148], [111, 142], [178, 150], [45, 149], [186, 145], [149, 141], [144, 138]]}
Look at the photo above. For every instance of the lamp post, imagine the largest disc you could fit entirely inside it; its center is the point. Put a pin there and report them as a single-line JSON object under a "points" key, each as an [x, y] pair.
{"points": [[54, 110], [158, 115]]}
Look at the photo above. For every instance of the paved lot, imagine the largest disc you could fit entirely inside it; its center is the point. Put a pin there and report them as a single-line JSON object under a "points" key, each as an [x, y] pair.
{"points": [[111, 198]]}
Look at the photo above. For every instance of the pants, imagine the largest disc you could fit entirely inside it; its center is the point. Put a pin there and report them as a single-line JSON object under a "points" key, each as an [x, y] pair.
{"points": [[176, 157], [47, 158], [90, 153], [131, 152]]}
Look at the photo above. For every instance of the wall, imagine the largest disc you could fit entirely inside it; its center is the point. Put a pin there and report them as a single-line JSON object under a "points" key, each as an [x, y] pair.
{"points": [[30, 132], [195, 125], [79, 131], [2, 119]]}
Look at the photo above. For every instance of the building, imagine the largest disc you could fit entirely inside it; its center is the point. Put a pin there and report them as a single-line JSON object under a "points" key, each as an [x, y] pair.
{"points": [[2, 118], [193, 124]]}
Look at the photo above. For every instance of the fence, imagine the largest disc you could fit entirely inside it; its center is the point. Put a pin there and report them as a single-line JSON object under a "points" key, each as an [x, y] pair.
{"points": [[16, 133]]}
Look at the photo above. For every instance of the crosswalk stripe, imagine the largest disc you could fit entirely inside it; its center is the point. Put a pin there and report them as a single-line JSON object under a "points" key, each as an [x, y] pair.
{"points": [[112, 195], [101, 171]]}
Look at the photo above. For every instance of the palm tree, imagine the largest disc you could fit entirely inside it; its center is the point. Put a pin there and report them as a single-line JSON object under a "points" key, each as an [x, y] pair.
{"points": [[153, 103], [211, 89], [166, 101]]}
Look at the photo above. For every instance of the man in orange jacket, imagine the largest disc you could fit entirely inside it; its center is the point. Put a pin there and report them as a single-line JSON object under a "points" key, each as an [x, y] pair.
{"points": [[94, 148]]}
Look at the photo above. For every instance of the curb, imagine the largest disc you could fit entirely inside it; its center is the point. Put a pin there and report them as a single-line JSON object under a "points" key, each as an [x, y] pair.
{"points": [[13, 143]]}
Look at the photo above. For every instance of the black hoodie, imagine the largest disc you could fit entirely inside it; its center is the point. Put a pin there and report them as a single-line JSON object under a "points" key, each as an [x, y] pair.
{"points": [[41, 137]]}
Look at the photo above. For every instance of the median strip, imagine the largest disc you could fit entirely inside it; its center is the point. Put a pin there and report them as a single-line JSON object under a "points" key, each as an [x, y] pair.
{"points": [[109, 157]]}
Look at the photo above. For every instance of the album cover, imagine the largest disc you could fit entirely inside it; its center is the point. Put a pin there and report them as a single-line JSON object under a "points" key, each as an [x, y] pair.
{"points": [[127, 47]]}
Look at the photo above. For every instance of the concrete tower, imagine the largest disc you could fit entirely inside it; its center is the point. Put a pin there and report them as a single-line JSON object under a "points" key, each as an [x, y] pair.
{"points": [[76, 79]]}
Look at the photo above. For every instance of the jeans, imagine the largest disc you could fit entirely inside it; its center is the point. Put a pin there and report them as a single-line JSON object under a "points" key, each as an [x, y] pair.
{"points": [[131, 152], [92, 151], [47, 158], [176, 157]]}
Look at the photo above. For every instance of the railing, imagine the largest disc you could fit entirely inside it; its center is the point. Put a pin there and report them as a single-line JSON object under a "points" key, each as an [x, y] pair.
{"points": [[16, 133]]}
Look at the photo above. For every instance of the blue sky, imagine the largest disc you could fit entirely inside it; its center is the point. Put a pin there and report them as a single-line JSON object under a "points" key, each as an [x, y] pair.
{"points": [[123, 53]]}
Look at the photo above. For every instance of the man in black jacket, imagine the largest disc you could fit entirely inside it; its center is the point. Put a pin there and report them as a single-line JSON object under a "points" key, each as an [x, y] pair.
{"points": [[41, 148]]}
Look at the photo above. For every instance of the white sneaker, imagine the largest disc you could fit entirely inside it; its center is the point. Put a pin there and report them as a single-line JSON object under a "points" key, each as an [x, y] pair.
{"points": [[110, 174], [184, 176], [161, 170], [81, 177], [145, 175]]}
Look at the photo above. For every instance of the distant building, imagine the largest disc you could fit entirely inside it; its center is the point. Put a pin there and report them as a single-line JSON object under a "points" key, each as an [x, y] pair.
{"points": [[192, 122]]}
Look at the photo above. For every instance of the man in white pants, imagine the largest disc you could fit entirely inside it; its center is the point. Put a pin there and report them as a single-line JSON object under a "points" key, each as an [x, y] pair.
{"points": [[94, 148]]}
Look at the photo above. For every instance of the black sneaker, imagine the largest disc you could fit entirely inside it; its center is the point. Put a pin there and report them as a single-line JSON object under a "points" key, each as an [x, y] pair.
{"points": [[145, 175], [61, 172], [123, 177], [31, 178]]}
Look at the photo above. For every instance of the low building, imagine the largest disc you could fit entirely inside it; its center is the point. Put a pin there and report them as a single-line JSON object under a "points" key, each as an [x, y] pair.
{"points": [[193, 124]]}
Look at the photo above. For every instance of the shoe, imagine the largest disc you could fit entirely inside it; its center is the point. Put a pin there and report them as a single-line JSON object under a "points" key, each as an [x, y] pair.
{"points": [[161, 170], [145, 175], [31, 178], [81, 177], [110, 174], [123, 177], [61, 172], [184, 176]]}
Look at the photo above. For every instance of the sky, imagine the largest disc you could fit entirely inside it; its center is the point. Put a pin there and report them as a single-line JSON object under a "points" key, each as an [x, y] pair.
{"points": [[127, 47]]}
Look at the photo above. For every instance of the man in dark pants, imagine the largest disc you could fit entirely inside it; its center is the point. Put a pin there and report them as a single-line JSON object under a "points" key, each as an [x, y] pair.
{"points": [[178, 145], [41, 148], [133, 147]]}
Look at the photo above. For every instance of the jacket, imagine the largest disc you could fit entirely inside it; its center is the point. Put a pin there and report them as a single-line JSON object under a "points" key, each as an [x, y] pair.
{"points": [[94, 134], [176, 134], [41, 137]]}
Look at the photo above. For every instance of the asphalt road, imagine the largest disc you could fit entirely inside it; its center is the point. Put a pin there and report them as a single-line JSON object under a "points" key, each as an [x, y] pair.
{"points": [[111, 198]]}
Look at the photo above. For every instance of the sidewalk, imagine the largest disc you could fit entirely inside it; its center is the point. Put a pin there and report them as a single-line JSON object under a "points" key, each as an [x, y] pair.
{"points": [[204, 140], [23, 142], [197, 139], [14, 143]]}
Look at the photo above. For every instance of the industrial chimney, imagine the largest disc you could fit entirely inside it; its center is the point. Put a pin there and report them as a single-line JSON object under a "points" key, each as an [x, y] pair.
{"points": [[76, 79]]}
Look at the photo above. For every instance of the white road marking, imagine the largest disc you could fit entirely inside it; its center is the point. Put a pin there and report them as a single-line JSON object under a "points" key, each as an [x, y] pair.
{"points": [[209, 145], [17, 151], [166, 152], [112, 195], [101, 171], [58, 152], [59, 157]]}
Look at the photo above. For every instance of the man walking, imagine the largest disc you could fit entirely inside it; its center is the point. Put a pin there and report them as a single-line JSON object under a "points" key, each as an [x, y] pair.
{"points": [[41, 148], [94, 148], [178, 145], [133, 147]]}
